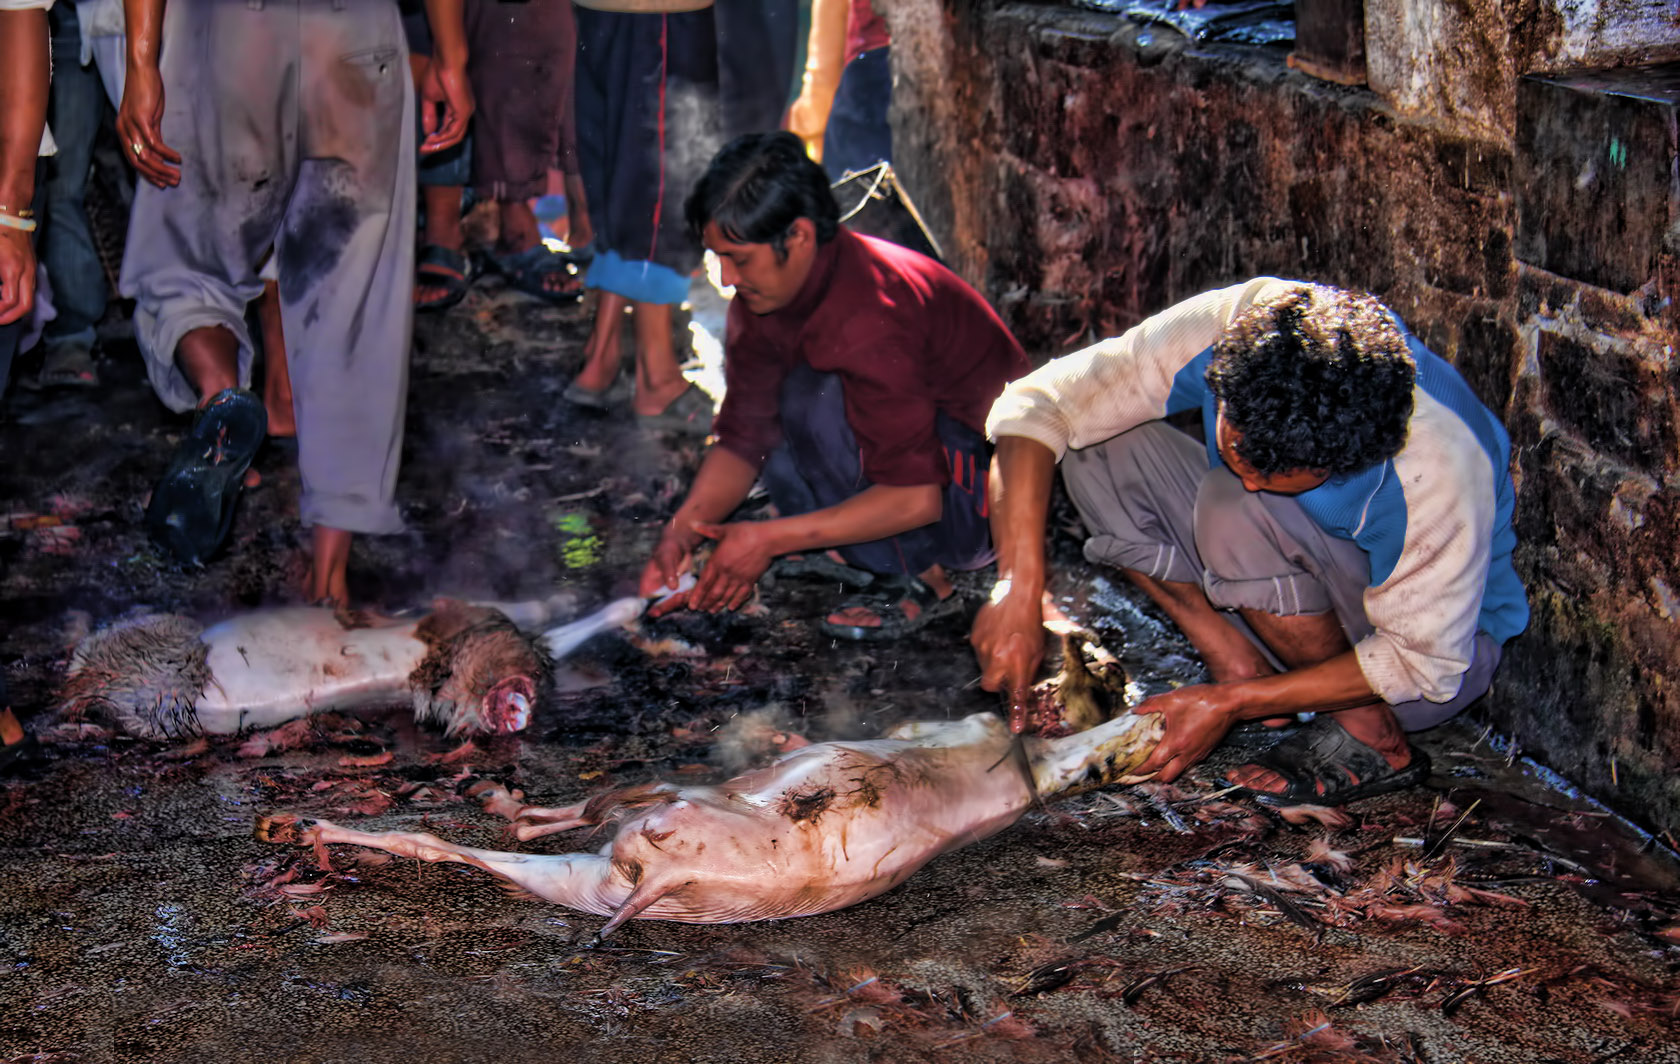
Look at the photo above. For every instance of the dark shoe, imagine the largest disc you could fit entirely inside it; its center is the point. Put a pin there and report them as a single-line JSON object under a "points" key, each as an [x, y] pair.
{"points": [[691, 412], [444, 268], [580, 256], [192, 506], [65, 365], [886, 600], [1322, 764], [612, 396], [531, 271], [820, 567]]}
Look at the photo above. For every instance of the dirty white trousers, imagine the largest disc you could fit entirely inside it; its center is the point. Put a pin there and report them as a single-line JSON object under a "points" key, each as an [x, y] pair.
{"points": [[295, 123]]}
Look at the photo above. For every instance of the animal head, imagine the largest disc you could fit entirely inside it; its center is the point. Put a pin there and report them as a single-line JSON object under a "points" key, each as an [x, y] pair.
{"points": [[507, 706], [480, 675]]}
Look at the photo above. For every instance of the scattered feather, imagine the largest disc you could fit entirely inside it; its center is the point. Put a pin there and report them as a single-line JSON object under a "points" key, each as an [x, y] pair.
{"points": [[1301, 815], [340, 936], [384, 757]]}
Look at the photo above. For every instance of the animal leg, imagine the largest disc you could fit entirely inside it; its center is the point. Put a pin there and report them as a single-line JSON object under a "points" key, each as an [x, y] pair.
{"points": [[943, 733], [532, 614], [1101, 755], [530, 821], [645, 895], [575, 880]]}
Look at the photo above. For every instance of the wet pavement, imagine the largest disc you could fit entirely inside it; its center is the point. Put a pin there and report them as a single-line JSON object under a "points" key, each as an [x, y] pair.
{"points": [[1494, 916]]}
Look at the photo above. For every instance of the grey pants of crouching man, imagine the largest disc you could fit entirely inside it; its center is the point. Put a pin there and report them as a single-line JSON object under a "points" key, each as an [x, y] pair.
{"points": [[1151, 504], [295, 124]]}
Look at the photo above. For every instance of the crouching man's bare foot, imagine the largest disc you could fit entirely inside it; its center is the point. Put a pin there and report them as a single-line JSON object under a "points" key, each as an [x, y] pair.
{"points": [[329, 567]]}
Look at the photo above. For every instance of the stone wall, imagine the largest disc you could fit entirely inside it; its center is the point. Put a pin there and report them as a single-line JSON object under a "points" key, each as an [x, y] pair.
{"points": [[1086, 172]]}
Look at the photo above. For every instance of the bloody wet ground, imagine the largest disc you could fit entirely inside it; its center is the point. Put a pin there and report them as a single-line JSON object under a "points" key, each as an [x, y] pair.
{"points": [[140, 921]]}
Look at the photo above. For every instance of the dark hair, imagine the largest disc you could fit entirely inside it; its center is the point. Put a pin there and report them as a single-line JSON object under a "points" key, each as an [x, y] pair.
{"points": [[757, 187], [1317, 378]]}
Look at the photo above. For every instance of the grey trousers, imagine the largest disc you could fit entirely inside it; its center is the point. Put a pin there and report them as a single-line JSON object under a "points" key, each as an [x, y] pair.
{"points": [[295, 123], [1151, 504]]}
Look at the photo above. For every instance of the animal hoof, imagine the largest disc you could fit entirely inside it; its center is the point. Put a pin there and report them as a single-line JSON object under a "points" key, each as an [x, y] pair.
{"points": [[281, 829]]}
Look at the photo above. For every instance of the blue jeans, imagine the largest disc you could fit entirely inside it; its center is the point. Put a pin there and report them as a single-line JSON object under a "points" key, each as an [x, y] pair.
{"points": [[74, 109]]}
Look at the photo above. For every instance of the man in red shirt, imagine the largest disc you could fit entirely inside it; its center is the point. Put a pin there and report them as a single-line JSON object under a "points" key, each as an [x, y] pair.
{"points": [[859, 376]]}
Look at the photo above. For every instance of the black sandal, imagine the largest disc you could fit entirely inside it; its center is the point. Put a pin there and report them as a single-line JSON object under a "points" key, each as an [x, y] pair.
{"points": [[886, 599], [820, 567], [1323, 765], [442, 268], [191, 510]]}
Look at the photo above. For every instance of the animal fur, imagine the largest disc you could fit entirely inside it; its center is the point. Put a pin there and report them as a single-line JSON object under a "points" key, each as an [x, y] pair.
{"points": [[469, 650], [145, 674]]}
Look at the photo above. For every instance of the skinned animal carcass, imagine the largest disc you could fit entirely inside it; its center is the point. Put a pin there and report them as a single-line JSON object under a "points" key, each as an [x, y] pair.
{"points": [[465, 668], [824, 826]]}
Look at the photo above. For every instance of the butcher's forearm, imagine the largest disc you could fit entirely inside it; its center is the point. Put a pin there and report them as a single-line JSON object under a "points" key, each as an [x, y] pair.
{"points": [[877, 512], [23, 68], [1019, 498], [449, 35], [1334, 684]]}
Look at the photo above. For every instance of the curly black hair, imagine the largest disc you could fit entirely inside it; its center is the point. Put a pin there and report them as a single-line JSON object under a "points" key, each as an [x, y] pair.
{"points": [[757, 187], [1317, 378]]}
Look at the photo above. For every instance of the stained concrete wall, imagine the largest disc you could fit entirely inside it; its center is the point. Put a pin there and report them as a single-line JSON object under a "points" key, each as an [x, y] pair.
{"points": [[1086, 172], [1454, 61]]}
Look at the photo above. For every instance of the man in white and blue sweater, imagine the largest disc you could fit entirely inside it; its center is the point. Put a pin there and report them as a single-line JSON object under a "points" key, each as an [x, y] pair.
{"points": [[1341, 544]]}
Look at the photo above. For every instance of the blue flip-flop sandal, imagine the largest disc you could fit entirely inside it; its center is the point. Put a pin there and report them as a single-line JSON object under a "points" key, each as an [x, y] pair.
{"points": [[529, 271]]}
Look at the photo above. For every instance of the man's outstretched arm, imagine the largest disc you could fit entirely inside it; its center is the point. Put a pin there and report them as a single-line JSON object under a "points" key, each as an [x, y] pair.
{"points": [[23, 87], [722, 484], [1008, 633], [1198, 717]]}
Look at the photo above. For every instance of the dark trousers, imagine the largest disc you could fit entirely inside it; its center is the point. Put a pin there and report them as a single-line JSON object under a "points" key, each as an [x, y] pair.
{"points": [[656, 96], [858, 136], [819, 465], [9, 337]]}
